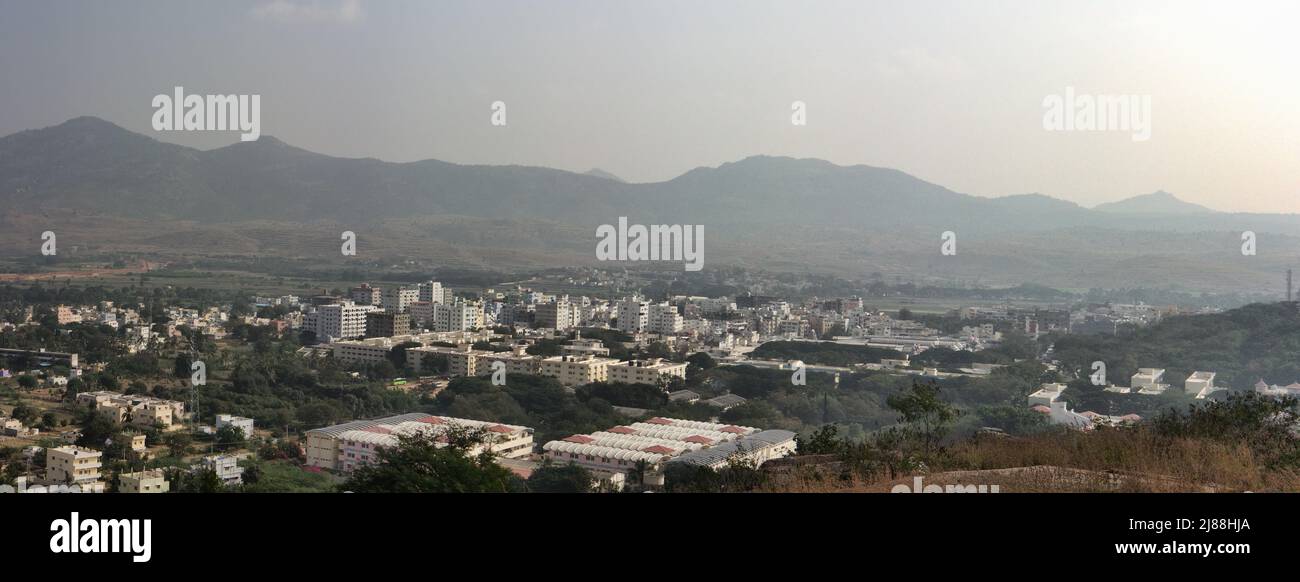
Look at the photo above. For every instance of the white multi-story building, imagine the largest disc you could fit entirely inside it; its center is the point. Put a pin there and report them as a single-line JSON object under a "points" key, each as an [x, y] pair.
{"points": [[576, 370], [457, 316], [74, 466], [398, 299], [654, 372], [431, 292], [632, 314], [557, 315], [663, 318], [340, 321], [226, 467]]}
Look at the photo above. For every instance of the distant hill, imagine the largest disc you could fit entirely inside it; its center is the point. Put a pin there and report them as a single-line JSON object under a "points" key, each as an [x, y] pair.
{"points": [[103, 188], [599, 173], [1154, 203]]}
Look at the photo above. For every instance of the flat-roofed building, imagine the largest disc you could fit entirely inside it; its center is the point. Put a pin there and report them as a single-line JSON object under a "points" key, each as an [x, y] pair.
{"points": [[654, 442], [150, 481], [576, 370], [1200, 384], [1148, 381], [73, 465], [655, 371], [758, 448], [344, 447], [387, 324], [244, 424]]}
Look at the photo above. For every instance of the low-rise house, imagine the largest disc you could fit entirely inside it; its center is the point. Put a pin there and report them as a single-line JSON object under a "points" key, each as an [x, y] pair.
{"points": [[242, 423], [226, 467], [151, 481]]}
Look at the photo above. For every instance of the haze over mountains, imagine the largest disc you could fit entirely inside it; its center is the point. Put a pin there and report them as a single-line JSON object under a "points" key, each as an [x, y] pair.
{"points": [[824, 215]]}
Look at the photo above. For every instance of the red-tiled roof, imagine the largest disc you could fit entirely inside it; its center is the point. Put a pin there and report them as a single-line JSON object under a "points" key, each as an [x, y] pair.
{"points": [[621, 430], [659, 449], [499, 428], [432, 420], [699, 439], [579, 438], [732, 429], [657, 420]]}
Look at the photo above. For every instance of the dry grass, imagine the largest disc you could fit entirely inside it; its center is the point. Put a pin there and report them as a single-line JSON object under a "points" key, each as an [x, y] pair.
{"points": [[1105, 460]]}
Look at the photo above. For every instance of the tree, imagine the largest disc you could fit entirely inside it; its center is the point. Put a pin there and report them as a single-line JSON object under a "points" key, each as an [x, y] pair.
{"points": [[701, 359], [926, 416], [25, 413], [553, 478], [27, 381], [181, 367], [229, 436], [178, 443], [422, 464], [824, 441]]}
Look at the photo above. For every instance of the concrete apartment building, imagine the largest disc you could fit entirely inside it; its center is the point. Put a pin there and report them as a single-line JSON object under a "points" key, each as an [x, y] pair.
{"points": [[364, 294], [421, 313], [583, 347], [375, 350], [144, 411], [663, 318], [557, 315], [632, 315], [73, 465], [344, 447], [655, 371], [387, 324], [576, 370], [458, 316], [432, 292], [398, 299], [341, 321], [151, 481]]}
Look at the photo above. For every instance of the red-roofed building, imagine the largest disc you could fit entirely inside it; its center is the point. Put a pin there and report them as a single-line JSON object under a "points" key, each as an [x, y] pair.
{"points": [[699, 440], [660, 449], [621, 430], [658, 420], [580, 439], [732, 429]]}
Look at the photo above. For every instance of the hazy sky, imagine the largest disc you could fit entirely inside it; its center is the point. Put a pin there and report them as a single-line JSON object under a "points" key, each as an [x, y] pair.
{"points": [[951, 92]]}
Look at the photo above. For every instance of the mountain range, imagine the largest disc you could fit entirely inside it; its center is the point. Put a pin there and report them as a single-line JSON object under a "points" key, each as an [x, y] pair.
{"points": [[823, 214]]}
